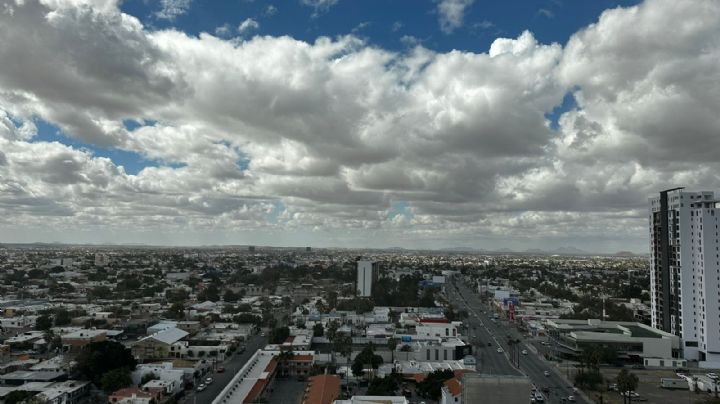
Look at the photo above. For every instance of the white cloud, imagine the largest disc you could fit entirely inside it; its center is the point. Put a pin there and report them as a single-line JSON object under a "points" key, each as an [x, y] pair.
{"points": [[248, 25], [339, 131], [320, 6], [171, 9], [452, 13]]}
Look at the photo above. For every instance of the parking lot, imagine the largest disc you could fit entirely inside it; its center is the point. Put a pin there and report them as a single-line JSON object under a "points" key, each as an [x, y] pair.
{"points": [[649, 388]]}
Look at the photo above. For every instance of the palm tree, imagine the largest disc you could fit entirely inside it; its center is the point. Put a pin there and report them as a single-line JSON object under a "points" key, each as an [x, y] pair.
{"points": [[392, 343]]}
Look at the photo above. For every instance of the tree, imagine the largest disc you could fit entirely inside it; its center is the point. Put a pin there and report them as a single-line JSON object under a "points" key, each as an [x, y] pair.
{"points": [[98, 358], [176, 311], [62, 317], [18, 396], [384, 386], [366, 357], [115, 379], [343, 345], [43, 323], [626, 382], [279, 335], [231, 296], [147, 377], [318, 330], [392, 344], [431, 386]]}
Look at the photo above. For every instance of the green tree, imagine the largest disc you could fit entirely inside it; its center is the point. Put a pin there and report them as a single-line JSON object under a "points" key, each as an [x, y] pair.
{"points": [[431, 386], [279, 335], [343, 345], [176, 311], [98, 358], [18, 396], [43, 323], [318, 330], [392, 344], [366, 357], [231, 296], [147, 377], [62, 317], [626, 382], [115, 379]]}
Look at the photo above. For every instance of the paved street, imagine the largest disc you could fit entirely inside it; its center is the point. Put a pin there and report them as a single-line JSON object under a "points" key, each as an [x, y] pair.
{"points": [[483, 330], [231, 365]]}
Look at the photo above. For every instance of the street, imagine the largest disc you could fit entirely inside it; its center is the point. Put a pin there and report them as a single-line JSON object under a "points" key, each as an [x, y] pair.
{"points": [[232, 365], [482, 329]]}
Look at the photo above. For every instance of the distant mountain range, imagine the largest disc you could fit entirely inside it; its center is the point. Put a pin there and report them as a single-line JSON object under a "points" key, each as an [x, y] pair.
{"points": [[537, 251]]}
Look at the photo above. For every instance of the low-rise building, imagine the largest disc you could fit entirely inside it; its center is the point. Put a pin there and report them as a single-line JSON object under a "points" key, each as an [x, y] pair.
{"points": [[634, 342], [158, 345], [322, 389]]}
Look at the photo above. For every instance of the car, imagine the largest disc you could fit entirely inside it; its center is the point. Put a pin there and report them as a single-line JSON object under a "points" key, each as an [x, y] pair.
{"points": [[500, 350], [571, 398], [712, 375], [221, 369], [539, 398], [262, 334], [201, 387], [630, 394], [209, 381], [524, 352], [546, 373], [613, 387]]}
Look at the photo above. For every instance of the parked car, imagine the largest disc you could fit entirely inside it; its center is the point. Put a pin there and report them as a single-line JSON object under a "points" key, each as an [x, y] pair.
{"points": [[571, 398], [500, 350], [209, 381], [546, 373], [201, 387], [524, 352]]}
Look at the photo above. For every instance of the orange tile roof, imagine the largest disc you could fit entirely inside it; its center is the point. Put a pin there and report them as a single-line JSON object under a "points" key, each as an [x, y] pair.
{"points": [[302, 358], [256, 391], [453, 386], [419, 377], [129, 391], [270, 368], [322, 389]]}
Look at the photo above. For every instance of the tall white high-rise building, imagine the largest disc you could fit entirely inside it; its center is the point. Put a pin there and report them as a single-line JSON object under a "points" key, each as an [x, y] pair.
{"points": [[367, 273], [685, 270]]}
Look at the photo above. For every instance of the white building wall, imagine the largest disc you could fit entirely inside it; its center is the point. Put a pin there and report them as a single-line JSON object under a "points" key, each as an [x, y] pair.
{"points": [[365, 277]]}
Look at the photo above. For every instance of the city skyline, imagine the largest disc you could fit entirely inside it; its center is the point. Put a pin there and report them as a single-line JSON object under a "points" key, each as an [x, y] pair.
{"points": [[429, 125]]}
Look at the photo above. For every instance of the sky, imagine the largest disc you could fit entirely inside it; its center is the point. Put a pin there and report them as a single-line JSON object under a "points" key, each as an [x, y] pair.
{"points": [[347, 123]]}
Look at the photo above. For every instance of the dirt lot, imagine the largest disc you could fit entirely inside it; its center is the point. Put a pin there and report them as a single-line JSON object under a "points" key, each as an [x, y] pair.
{"points": [[649, 388]]}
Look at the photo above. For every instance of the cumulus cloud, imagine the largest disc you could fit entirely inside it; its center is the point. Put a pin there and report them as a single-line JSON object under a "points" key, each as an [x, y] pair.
{"points": [[248, 25], [320, 6], [171, 9], [337, 131], [452, 13]]}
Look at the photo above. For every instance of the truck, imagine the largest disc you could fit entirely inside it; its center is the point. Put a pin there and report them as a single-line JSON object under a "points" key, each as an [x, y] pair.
{"points": [[670, 383]]}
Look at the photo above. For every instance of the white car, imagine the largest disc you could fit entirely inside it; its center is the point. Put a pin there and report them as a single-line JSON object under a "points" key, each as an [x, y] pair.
{"points": [[524, 352], [201, 387], [571, 398], [209, 380], [500, 350], [546, 373]]}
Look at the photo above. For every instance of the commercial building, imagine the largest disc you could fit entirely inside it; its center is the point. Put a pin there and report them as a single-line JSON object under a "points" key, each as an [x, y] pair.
{"points": [[367, 273], [633, 342], [685, 271]]}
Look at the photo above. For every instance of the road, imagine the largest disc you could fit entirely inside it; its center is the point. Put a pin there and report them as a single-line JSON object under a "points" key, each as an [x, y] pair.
{"points": [[481, 330], [232, 366]]}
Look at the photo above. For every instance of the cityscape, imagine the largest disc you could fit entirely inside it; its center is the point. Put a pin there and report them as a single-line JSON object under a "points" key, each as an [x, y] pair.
{"points": [[359, 202]]}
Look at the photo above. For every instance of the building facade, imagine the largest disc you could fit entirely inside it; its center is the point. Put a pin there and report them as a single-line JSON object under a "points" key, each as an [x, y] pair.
{"points": [[367, 273], [685, 270]]}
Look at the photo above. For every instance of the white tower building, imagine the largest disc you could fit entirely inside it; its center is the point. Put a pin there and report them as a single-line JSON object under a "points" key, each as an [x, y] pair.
{"points": [[367, 273], [685, 271]]}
